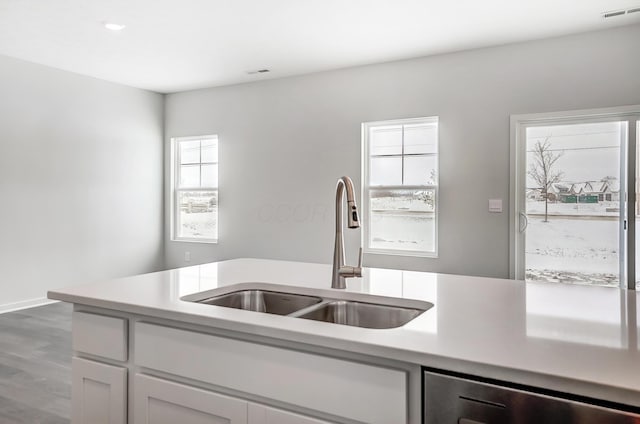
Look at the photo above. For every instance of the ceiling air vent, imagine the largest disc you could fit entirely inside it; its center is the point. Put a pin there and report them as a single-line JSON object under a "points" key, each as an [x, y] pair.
{"points": [[259, 71], [614, 13]]}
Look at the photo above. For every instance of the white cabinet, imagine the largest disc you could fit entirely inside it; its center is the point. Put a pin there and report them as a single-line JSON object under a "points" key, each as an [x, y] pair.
{"points": [[99, 393], [160, 401], [147, 352], [164, 402], [337, 387], [260, 414]]}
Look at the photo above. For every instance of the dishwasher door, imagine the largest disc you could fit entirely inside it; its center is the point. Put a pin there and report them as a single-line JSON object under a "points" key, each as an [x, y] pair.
{"points": [[454, 400]]}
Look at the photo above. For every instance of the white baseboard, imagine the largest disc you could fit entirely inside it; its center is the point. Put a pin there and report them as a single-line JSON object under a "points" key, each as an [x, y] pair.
{"points": [[24, 304]]}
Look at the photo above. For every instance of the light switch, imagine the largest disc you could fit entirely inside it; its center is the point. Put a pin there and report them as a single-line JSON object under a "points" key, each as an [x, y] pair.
{"points": [[495, 205]]}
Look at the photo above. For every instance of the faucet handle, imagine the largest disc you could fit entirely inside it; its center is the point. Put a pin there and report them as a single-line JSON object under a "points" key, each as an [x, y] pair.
{"points": [[352, 271], [357, 271]]}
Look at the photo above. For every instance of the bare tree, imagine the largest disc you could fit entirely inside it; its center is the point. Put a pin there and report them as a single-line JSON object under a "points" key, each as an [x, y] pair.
{"points": [[427, 196], [542, 170]]}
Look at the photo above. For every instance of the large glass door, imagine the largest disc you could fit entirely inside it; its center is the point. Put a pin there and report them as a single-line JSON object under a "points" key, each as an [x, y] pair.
{"points": [[573, 203], [571, 219]]}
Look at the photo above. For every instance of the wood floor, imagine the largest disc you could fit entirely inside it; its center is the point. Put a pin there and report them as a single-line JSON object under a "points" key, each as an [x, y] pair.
{"points": [[35, 365]]}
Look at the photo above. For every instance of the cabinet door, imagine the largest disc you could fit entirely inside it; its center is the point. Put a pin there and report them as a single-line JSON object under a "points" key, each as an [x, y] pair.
{"points": [[160, 401], [99, 393], [260, 414]]}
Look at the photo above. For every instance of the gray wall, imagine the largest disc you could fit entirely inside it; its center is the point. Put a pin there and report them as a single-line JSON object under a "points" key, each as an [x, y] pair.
{"points": [[283, 143], [80, 180]]}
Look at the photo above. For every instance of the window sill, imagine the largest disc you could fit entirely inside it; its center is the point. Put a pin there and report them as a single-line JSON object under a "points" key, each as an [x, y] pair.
{"points": [[404, 253], [191, 240]]}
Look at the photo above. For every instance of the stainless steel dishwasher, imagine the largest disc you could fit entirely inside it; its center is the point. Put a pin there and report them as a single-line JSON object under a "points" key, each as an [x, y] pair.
{"points": [[457, 400]]}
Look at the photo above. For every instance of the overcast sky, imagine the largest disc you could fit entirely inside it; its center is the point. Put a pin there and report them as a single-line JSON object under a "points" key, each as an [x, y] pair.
{"points": [[589, 151]]}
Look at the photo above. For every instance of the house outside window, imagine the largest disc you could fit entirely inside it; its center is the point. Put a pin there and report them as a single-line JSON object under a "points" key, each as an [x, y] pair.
{"points": [[400, 186], [195, 189]]}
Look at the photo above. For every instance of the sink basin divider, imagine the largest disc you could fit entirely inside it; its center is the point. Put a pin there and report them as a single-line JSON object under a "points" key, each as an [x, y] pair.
{"points": [[311, 308]]}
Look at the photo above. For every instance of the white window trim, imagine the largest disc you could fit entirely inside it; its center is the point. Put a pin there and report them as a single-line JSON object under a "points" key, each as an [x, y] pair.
{"points": [[366, 188], [518, 125], [175, 163]]}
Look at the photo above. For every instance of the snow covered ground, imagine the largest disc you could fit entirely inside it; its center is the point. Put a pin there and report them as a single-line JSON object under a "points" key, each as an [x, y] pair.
{"points": [[579, 209], [403, 221], [572, 250], [403, 231], [199, 224], [579, 244]]}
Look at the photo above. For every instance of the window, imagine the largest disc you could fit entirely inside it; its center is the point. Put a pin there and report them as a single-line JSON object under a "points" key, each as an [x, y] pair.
{"points": [[400, 186], [195, 194]]}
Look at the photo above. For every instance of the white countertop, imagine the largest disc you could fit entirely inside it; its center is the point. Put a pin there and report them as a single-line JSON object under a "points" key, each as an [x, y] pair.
{"points": [[575, 339]]}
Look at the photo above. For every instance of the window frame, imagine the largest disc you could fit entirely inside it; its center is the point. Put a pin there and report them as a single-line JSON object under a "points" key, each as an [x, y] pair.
{"points": [[176, 190], [367, 188]]}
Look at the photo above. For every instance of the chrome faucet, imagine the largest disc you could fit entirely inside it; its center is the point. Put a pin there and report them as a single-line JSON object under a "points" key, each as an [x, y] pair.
{"points": [[340, 270]]}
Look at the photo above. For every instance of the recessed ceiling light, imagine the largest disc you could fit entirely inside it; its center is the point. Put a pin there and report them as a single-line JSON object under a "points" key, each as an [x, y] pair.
{"points": [[113, 26]]}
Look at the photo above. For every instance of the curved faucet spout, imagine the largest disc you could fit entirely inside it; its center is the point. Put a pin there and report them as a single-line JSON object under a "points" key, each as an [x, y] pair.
{"points": [[340, 271], [345, 184]]}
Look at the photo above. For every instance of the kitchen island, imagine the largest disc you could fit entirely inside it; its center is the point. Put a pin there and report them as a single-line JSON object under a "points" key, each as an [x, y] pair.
{"points": [[144, 355]]}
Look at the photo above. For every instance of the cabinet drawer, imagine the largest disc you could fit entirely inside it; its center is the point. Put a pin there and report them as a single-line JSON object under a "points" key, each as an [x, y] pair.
{"points": [[100, 335], [339, 387]]}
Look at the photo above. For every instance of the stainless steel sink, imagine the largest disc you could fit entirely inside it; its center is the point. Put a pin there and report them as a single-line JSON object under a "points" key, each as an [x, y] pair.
{"points": [[332, 306], [264, 301], [358, 314]]}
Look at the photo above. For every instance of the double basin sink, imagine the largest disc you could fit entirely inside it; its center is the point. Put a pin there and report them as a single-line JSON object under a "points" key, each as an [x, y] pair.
{"points": [[354, 309]]}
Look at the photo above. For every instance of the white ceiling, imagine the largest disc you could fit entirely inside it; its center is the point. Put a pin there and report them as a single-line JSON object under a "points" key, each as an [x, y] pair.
{"points": [[171, 45]]}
